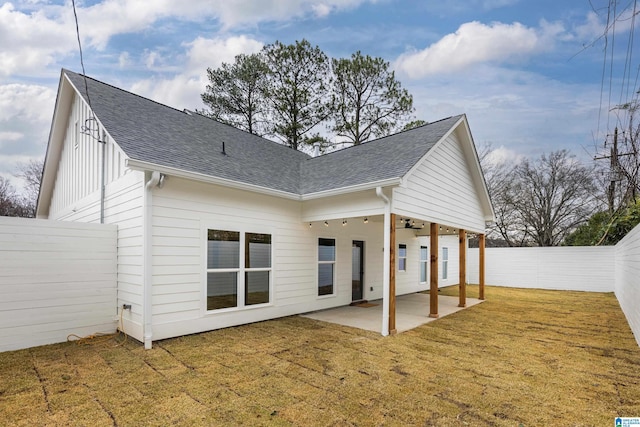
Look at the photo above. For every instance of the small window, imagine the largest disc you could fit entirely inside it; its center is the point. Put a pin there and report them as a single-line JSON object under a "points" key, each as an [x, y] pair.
{"points": [[424, 261], [326, 266], [257, 262], [223, 265], [402, 257], [445, 263]]}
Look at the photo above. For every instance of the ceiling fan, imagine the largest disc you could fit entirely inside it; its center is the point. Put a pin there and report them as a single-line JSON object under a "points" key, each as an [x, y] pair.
{"points": [[411, 224]]}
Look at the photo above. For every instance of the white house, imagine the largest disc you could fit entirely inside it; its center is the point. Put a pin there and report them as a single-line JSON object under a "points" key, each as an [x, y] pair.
{"points": [[218, 227]]}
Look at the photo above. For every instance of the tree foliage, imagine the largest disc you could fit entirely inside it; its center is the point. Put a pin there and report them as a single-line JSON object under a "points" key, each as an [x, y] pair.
{"points": [[604, 228], [540, 202], [368, 100], [235, 93], [299, 78], [289, 91]]}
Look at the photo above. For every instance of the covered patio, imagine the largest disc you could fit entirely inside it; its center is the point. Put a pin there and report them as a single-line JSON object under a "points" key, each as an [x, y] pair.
{"points": [[411, 311]]}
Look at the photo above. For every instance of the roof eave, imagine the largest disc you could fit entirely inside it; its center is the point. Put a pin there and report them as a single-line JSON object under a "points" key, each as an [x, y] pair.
{"points": [[196, 176], [390, 182]]}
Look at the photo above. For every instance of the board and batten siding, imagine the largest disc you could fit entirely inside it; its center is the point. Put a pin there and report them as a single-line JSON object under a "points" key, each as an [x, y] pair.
{"points": [[569, 268], [80, 168], [627, 278], [56, 278], [441, 189]]}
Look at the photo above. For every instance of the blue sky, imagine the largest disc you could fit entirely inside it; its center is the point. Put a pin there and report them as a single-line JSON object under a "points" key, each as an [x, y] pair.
{"points": [[527, 73]]}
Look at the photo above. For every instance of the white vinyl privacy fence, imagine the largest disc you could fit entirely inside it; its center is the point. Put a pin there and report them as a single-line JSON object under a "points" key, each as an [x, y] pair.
{"points": [[56, 278], [627, 283], [596, 269], [569, 268]]}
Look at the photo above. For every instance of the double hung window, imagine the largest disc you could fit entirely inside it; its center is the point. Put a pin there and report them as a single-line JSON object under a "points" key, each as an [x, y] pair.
{"points": [[238, 269]]}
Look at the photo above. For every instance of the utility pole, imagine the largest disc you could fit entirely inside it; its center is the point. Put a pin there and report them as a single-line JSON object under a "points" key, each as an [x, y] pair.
{"points": [[613, 172]]}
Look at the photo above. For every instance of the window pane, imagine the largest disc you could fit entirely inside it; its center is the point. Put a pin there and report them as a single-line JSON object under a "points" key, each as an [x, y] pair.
{"points": [[222, 290], [326, 249], [256, 287], [424, 253], [402, 264], [223, 249], [402, 251], [423, 271], [257, 250], [325, 279], [445, 254]]}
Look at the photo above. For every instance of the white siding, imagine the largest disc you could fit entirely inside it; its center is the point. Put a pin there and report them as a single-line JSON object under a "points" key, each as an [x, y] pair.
{"points": [[76, 197], [56, 279], [627, 280], [409, 281], [568, 268], [183, 211], [360, 204], [442, 190]]}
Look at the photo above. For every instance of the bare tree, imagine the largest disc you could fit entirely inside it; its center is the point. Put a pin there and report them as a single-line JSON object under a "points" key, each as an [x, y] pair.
{"points": [[11, 203], [540, 202], [552, 196], [31, 174]]}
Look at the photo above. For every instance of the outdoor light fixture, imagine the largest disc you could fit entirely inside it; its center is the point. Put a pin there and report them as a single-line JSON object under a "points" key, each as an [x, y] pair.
{"points": [[326, 224], [309, 225], [344, 222], [422, 225], [366, 220]]}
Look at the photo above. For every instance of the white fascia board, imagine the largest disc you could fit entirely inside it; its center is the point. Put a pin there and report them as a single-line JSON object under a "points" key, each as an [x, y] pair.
{"points": [[353, 188], [145, 166]]}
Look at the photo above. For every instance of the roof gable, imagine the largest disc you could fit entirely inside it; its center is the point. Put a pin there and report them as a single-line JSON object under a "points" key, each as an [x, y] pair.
{"points": [[378, 160], [153, 133]]}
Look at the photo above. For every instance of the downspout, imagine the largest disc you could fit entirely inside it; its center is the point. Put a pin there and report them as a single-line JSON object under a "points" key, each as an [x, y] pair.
{"points": [[386, 262], [147, 326], [103, 142]]}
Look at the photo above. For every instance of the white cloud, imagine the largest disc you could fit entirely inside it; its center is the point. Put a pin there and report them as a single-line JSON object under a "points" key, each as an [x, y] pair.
{"points": [[26, 102], [33, 41], [111, 17], [10, 136], [475, 43], [183, 89], [124, 59]]}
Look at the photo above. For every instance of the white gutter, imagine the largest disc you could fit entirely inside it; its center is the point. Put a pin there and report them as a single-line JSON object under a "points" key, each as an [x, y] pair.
{"points": [[147, 324], [352, 188], [386, 262], [180, 173], [145, 166]]}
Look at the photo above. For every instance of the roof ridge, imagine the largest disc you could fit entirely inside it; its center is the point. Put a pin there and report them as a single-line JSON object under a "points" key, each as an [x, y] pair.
{"points": [[383, 137], [123, 90]]}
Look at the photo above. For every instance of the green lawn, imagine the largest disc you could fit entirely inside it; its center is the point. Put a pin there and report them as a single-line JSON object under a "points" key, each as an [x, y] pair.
{"points": [[524, 357]]}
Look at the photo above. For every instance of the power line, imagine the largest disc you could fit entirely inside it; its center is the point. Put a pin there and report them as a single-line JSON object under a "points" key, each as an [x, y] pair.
{"points": [[84, 74]]}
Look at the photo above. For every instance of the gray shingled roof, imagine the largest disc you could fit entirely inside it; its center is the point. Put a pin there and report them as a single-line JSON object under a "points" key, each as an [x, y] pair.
{"points": [[380, 159], [154, 133]]}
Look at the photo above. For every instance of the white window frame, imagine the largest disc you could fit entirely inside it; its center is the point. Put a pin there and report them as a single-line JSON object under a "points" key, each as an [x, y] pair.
{"points": [[445, 263], [240, 271], [335, 256], [402, 258], [424, 264]]}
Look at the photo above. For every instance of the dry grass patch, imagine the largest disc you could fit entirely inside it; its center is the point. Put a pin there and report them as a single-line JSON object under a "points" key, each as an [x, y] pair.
{"points": [[524, 357]]}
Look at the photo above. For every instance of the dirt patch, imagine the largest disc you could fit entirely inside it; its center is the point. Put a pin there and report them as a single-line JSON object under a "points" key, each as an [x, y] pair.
{"points": [[524, 357]]}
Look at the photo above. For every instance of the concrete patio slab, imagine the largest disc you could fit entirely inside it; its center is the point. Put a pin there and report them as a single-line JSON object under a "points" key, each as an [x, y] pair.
{"points": [[412, 310]]}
